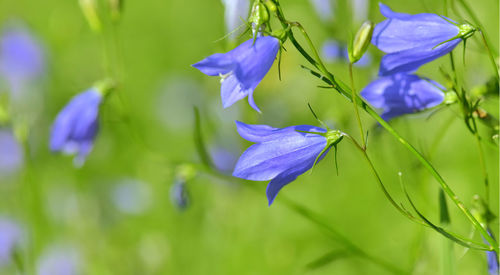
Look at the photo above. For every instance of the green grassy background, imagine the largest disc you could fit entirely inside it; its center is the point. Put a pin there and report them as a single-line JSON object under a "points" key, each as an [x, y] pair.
{"points": [[228, 228]]}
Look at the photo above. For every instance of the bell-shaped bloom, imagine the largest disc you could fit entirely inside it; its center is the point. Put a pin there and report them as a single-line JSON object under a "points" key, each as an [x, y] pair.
{"points": [[242, 68], [21, 57], [279, 155], [402, 93], [235, 12], [76, 126], [411, 41], [324, 9]]}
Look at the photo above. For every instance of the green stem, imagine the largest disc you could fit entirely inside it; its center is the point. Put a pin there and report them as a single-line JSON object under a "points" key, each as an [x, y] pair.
{"points": [[313, 218], [356, 111], [476, 21], [343, 89], [490, 54], [482, 161]]}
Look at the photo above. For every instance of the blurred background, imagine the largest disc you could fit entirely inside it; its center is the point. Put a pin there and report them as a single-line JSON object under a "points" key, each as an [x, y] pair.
{"points": [[142, 204]]}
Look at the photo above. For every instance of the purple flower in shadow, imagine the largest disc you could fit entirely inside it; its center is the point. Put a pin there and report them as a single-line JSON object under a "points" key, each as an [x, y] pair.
{"points": [[402, 93], [411, 41], [492, 258], [242, 68], [10, 237], [76, 126], [280, 155], [63, 260], [21, 57], [11, 154]]}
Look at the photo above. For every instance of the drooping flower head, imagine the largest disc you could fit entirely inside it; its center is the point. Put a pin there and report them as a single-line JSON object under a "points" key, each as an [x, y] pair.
{"points": [[402, 93], [21, 57], [235, 12], [411, 41], [281, 155], [76, 126], [242, 68]]}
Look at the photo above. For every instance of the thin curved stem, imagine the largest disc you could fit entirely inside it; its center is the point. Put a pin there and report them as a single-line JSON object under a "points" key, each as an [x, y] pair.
{"points": [[344, 90], [356, 111]]}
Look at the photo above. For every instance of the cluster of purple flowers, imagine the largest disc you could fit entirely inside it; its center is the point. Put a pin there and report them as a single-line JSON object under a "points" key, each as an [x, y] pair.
{"points": [[281, 155], [409, 42]]}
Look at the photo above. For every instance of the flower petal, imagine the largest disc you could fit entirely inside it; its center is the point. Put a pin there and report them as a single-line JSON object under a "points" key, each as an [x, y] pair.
{"points": [[262, 133], [216, 64], [402, 94], [254, 59], [231, 91], [405, 31], [266, 160], [410, 60]]}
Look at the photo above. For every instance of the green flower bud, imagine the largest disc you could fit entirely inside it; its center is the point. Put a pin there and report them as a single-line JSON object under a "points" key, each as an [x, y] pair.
{"points": [[271, 6], [259, 14], [89, 9], [361, 41]]}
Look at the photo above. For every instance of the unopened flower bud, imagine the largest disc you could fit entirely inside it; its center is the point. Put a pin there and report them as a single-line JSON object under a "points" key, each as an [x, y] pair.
{"points": [[89, 9], [259, 14], [361, 41]]}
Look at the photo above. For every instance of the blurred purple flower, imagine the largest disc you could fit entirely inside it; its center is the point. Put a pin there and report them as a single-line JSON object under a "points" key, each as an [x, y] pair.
{"points": [[324, 9], [410, 41], [280, 155], [224, 160], [76, 126], [402, 93], [360, 10], [10, 237], [131, 196], [242, 68], [21, 57], [492, 258], [334, 51], [11, 154], [179, 194], [235, 12], [64, 260]]}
